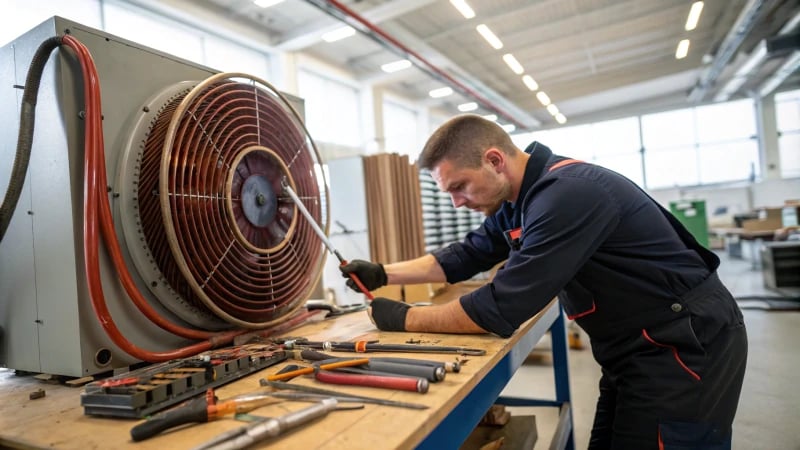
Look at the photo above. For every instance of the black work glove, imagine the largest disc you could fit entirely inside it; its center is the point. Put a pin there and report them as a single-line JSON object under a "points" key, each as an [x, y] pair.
{"points": [[371, 275], [389, 315]]}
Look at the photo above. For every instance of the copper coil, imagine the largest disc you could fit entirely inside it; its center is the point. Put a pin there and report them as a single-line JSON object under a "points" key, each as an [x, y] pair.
{"points": [[212, 209]]}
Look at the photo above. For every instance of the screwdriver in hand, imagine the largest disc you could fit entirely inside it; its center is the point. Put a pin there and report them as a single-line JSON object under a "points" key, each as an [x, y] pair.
{"points": [[342, 262]]}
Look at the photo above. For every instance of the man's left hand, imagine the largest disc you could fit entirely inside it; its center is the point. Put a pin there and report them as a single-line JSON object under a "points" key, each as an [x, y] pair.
{"points": [[388, 315]]}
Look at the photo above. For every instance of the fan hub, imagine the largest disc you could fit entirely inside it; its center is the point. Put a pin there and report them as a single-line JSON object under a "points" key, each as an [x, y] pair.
{"points": [[259, 202]]}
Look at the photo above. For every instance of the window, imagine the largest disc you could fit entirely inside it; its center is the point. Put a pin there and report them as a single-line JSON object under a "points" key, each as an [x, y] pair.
{"points": [[702, 145], [229, 57], [616, 146], [787, 111], [156, 32], [726, 145], [22, 15], [725, 121], [400, 130], [613, 144], [668, 129], [332, 109]]}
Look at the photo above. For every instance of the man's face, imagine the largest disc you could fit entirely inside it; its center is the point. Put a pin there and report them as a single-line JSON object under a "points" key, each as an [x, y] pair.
{"points": [[481, 189]]}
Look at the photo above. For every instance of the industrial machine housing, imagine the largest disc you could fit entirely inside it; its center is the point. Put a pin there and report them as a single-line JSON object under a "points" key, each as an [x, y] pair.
{"points": [[46, 320]]}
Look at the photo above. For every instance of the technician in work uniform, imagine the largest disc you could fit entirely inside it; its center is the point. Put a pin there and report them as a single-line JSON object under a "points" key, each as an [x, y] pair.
{"points": [[669, 336]]}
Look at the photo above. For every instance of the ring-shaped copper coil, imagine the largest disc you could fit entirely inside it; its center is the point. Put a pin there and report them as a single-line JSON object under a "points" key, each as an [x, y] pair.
{"points": [[237, 245]]}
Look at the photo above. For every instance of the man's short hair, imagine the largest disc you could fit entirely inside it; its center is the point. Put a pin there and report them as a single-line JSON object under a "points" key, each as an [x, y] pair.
{"points": [[463, 140]]}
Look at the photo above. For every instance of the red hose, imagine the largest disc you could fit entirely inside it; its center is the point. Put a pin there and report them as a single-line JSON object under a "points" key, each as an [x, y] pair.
{"points": [[95, 196]]}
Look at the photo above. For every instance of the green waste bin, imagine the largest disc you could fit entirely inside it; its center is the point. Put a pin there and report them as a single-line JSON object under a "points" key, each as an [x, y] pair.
{"points": [[692, 214]]}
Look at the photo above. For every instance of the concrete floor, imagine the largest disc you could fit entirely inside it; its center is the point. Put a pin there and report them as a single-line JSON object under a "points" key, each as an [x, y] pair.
{"points": [[768, 417]]}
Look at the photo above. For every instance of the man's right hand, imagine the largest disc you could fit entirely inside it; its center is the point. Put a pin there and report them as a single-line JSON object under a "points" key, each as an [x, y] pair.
{"points": [[371, 274]]}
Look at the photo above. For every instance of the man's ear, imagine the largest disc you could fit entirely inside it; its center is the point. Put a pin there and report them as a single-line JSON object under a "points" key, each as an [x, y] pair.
{"points": [[495, 158]]}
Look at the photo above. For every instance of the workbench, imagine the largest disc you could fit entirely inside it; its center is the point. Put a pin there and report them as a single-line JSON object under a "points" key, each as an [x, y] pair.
{"points": [[456, 404]]}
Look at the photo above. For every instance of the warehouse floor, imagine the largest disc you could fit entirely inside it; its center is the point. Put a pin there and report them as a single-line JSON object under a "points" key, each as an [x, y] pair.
{"points": [[768, 414]]}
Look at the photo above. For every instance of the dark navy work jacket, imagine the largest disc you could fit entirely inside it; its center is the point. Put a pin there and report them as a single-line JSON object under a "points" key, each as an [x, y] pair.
{"points": [[615, 258]]}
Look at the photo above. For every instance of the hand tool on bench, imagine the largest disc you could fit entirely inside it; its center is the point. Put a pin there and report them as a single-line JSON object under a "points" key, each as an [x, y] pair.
{"points": [[399, 371], [430, 370], [333, 364], [332, 308], [324, 371], [200, 409], [338, 395], [308, 354], [302, 208], [269, 428], [412, 384], [207, 408], [366, 346], [449, 366]]}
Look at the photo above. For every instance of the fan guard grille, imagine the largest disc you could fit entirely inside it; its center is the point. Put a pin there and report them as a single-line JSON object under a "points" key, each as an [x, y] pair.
{"points": [[211, 205]]}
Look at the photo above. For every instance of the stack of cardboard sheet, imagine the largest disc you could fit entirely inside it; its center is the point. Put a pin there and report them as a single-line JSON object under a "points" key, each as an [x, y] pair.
{"points": [[393, 208], [395, 219]]}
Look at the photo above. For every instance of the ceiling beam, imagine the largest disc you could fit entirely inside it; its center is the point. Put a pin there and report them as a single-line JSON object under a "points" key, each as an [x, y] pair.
{"points": [[312, 33]]}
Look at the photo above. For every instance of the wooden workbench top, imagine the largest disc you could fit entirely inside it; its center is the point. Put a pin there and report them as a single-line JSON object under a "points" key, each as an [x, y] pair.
{"points": [[57, 420]]}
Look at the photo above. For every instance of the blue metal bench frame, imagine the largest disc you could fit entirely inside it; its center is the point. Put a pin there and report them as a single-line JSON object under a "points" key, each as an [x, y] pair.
{"points": [[457, 426]]}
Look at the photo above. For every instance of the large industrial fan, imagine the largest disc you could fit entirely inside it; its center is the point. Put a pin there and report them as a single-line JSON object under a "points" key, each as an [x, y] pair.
{"points": [[196, 168]]}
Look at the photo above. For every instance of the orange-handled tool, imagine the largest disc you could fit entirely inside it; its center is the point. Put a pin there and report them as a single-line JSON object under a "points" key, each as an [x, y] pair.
{"points": [[321, 234], [329, 366], [200, 409]]}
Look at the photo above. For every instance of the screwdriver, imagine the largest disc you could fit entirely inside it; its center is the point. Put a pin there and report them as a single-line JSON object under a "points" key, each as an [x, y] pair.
{"points": [[330, 366], [321, 234], [272, 427], [201, 409]]}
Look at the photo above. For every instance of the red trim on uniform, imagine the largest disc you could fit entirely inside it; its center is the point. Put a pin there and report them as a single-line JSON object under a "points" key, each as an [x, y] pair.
{"points": [[563, 163], [674, 353], [585, 313], [660, 442], [515, 233]]}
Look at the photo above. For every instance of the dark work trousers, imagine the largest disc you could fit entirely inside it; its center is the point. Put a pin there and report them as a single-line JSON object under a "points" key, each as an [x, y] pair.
{"points": [[675, 385]]}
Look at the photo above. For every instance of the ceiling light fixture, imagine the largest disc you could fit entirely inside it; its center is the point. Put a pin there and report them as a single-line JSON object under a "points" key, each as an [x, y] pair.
{"points": [[552, 109], [491, 117], [396, 66], [490, 37], [560, 118], [466, 107], [338, 34], [267, 3], [694, 16], [530, 82], [463, 8], [543, 98], [682, 50], [513, 64], [441, 92]]}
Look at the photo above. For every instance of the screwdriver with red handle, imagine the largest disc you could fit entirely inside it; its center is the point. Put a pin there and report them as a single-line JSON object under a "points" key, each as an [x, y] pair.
{"points": [[302, 208]]}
